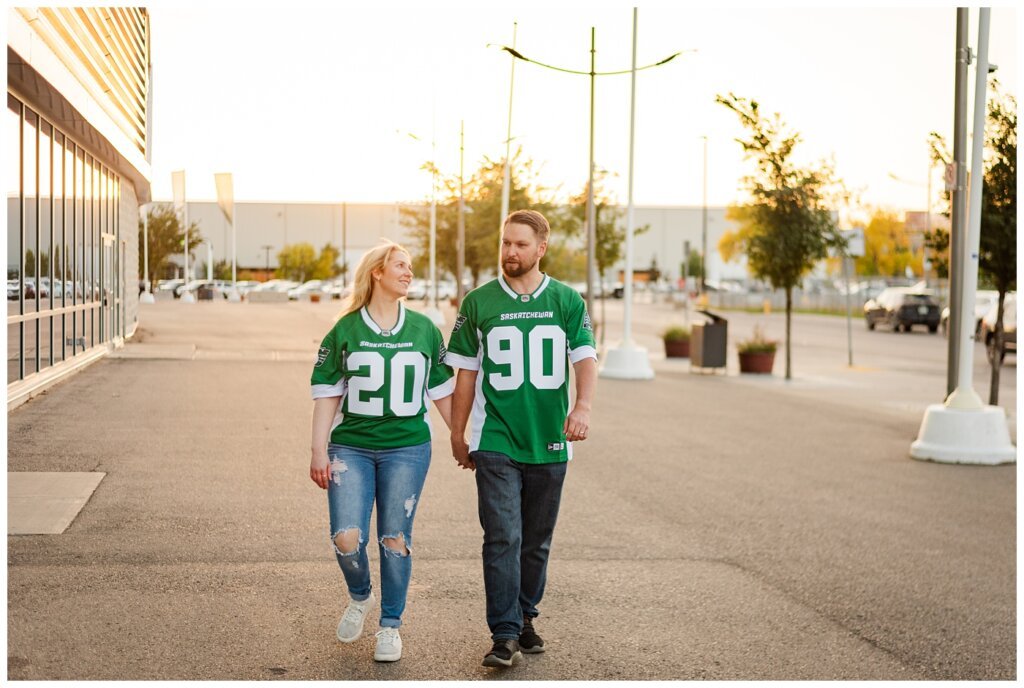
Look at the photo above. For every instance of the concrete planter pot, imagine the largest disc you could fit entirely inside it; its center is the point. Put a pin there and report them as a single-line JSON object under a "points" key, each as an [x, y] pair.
{"points": [[757, 362], [677, 348]]}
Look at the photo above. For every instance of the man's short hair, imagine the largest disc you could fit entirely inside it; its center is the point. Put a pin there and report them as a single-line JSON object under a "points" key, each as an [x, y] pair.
{"points": [[532, 218]]}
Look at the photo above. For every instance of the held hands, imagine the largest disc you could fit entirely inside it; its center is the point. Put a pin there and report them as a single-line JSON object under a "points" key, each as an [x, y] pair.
{"points": [[577, 424], [460, 450], [319, 468]]}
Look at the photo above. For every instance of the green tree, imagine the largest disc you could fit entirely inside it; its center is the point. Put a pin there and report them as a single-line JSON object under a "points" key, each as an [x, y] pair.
{"points": [[997, 259], [887, 247], [222, 270], [326, 266], [786, 227], [936, 243], [296, 262], [482, 192], [166, 238]]}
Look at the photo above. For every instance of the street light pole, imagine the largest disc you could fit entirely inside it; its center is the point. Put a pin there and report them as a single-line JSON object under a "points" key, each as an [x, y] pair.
{"points": [[506, 185], [591, 220], [959, 200], [266, 248], [591, 225], [965, 430], [460, 263], [627, 360], [704, 223]]}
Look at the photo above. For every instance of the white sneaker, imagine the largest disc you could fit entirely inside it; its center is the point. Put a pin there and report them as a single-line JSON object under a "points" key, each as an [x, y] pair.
{"points": [[351, 625], [389, 645]]}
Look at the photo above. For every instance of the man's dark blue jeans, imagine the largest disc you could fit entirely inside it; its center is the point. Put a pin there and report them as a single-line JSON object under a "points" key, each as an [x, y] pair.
{"points": [[518, 505]]}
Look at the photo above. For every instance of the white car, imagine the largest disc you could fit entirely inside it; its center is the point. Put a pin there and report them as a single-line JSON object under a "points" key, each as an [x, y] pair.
{"points": [[983, 301], [277, 285], [986, 332], [306, 288]]}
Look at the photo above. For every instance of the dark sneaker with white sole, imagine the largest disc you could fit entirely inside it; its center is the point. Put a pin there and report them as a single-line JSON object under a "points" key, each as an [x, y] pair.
{"points": [[529, 642], [503, 654]]}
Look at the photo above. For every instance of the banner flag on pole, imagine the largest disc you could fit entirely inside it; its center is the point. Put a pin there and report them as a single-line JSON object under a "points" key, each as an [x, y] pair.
{"points": [[225, 195]]}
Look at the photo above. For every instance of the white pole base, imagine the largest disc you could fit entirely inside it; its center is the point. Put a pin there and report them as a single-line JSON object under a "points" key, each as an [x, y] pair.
{"points": [[435, 316], [626, 362], [187, 297], [146, 297], [949, 435], [234, 296]]}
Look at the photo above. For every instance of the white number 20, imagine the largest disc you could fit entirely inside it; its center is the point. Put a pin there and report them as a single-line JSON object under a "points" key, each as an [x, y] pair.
{"points": [[375, 380], [512, 356]]}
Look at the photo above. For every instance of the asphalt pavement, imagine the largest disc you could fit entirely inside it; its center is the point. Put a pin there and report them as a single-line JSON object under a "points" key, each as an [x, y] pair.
{"points": [[712, 527]]}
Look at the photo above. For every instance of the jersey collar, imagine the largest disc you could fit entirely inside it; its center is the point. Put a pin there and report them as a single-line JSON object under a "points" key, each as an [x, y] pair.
{"points": [[524, 297], [376, 328]]}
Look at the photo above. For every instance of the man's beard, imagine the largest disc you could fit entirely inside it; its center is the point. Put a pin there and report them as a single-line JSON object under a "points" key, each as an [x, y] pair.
{"points": [[519, 270]]}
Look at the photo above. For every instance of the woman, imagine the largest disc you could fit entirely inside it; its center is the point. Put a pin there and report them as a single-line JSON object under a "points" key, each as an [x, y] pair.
{"points": [[375, 370]]}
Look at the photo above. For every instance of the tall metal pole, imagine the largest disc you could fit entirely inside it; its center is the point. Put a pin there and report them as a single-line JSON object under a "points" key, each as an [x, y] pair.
{"points": [[959, 209], [433, 221], [704, 223], [344, 244], [627, 292], [145, 246], [506, 185], [460, 264], [965, 396], [591, 215], [627, 361]]}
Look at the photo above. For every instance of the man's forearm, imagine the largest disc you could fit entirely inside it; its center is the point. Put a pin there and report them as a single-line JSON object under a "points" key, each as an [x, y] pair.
{"points": [[462, 401], [586, 382]]}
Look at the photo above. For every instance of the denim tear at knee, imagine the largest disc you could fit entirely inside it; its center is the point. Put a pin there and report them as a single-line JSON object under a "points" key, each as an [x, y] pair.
{"points": [[353, 553], [388, 552], [337, 468], [410, 504]]}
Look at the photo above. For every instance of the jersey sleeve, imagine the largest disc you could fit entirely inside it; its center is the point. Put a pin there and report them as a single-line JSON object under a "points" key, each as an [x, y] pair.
{"points": [[463, 345], [578, 330], [441, 381], [328, 378]]}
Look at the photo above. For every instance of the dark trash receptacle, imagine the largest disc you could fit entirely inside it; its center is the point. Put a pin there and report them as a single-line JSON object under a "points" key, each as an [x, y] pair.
{"points": [[708, 342], [205, 294]]}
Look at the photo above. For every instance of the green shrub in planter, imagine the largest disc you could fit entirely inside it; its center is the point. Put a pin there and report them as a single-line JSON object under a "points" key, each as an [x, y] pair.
{"points": [[676, 333], [757, 344]]}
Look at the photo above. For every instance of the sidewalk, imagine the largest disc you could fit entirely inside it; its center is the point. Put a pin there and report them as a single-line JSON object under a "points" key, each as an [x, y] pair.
{"points": [[710, 529]]}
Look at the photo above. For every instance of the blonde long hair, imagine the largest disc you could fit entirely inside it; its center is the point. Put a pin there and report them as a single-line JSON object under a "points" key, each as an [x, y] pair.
{"points": [[362, 284]]}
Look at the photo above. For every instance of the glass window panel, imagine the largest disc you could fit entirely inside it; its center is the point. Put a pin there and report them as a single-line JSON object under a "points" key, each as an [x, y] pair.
{"points": [[31, 248], [69, 223], [45, 330], [45, 216], [13, 142], [13, 351], [30, 347], [87, 229], [57, 247], [79, 238]]}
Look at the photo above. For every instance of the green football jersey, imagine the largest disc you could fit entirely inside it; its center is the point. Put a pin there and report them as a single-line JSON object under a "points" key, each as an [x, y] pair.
{"points": [[384, 378], [521, 345]]}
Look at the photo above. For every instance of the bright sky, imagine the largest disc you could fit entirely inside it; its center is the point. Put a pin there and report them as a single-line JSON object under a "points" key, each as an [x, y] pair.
{"points": [[307, 104]]}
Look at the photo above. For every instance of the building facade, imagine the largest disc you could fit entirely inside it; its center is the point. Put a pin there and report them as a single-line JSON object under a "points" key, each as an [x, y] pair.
{"points": [[78, 143]]}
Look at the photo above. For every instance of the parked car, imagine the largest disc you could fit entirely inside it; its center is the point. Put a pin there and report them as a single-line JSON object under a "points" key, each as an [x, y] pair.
{"points": [[170, 285], [982, 304], [902, 307], [987, 330], [277, 285], [306, 288], [192, 286]]}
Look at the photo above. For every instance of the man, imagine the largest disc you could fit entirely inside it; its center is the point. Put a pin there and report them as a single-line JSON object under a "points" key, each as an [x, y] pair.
{"points": [[510, 342]]}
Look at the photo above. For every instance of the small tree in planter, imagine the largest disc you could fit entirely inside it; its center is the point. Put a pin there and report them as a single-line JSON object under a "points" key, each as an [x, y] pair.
{"points": [[757, 354], [677, 341]]}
